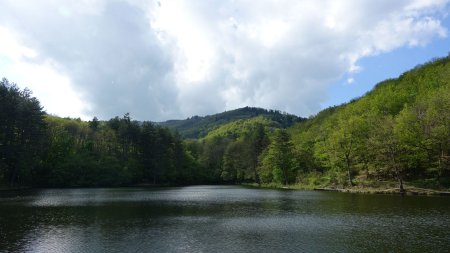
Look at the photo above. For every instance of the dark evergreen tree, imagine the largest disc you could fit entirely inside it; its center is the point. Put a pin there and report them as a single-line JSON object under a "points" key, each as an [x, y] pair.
{"points": [[22, 134]]}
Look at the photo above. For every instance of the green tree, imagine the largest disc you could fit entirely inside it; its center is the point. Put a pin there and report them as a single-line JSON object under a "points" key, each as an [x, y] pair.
{"points": [[437, 131], [212, 157], [388, 149], [257, 141], [22, 134], [94, 124], [278, 162], [346, 141], [235, 162]]}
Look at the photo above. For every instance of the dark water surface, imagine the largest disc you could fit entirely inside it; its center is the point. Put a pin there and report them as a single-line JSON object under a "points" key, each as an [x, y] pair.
{"points": [[220, 219]]}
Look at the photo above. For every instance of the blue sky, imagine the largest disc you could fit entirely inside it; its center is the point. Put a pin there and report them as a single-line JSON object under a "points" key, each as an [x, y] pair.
{"points": [[171, 59], [384, 66]]}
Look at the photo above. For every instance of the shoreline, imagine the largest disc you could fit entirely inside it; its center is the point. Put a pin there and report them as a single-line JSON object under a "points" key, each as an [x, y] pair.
{"points": [[412, 191], [409, 190]]}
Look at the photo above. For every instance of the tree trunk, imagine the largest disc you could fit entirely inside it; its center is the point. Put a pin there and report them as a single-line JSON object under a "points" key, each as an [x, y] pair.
{"points": [[400, 180], [440, 162], [255, 171], [396, 170], [350, 182], [402, 190], [285, 178], [349, 175]]}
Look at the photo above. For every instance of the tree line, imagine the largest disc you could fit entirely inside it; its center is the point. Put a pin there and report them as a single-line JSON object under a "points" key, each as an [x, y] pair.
{"points": [[47, 151], [399, 131], [41, 150]]}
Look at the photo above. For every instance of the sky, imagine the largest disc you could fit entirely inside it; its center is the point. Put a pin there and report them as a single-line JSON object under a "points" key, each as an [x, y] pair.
{"points": [[172, 59]]}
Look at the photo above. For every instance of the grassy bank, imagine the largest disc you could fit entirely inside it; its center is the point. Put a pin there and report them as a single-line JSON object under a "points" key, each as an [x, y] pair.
{"points": [[364, 186], [409, 190]]}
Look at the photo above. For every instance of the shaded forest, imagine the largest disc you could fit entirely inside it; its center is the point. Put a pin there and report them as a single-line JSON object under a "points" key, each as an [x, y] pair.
{"points": [[398, 132]]}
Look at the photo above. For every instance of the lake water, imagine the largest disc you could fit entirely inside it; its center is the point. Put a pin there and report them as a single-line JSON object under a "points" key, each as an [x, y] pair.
{"points": [[220, 219]]}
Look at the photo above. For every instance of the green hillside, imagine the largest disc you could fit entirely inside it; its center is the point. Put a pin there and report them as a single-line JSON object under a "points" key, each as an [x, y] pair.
{"points": [[395, 136], [238, 128], [197, 126], [400, 129]]}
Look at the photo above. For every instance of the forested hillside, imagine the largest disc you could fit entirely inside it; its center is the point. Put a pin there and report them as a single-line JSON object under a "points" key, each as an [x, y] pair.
{"points": [[398, 132], [198, 127]]}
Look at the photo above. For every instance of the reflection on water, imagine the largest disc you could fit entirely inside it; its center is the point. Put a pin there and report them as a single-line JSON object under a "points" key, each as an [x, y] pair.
{"points": [[220, 219]]}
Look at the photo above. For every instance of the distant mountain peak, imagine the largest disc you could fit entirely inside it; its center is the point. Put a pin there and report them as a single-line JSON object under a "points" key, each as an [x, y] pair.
{"points": [[199, 126]]}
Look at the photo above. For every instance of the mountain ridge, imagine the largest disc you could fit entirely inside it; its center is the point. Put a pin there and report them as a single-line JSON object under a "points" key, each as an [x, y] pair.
{"points": [[199, 126]]}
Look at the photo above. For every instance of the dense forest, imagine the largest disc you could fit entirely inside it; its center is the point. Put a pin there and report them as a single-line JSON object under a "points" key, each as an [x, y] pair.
{"points": [[398, 132], [197, 127]]}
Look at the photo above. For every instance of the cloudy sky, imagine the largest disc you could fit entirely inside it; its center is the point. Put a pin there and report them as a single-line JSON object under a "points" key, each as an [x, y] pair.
{"points": [[171, 59]]}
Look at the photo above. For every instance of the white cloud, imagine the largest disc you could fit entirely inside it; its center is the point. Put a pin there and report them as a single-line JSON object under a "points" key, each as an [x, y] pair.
{"points": [[53, 89], [284, 54], [167, 59]]}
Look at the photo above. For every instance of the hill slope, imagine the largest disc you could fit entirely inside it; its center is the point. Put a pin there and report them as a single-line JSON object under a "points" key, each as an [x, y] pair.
{"points": [[401, 128], [197, 126]]}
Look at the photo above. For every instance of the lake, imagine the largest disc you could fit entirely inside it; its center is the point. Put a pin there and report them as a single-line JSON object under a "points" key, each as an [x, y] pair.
{"points": [[220, 219]]}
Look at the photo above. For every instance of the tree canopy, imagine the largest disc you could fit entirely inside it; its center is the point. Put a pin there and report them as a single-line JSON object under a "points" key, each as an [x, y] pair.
{"points": [[398, 131]]}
